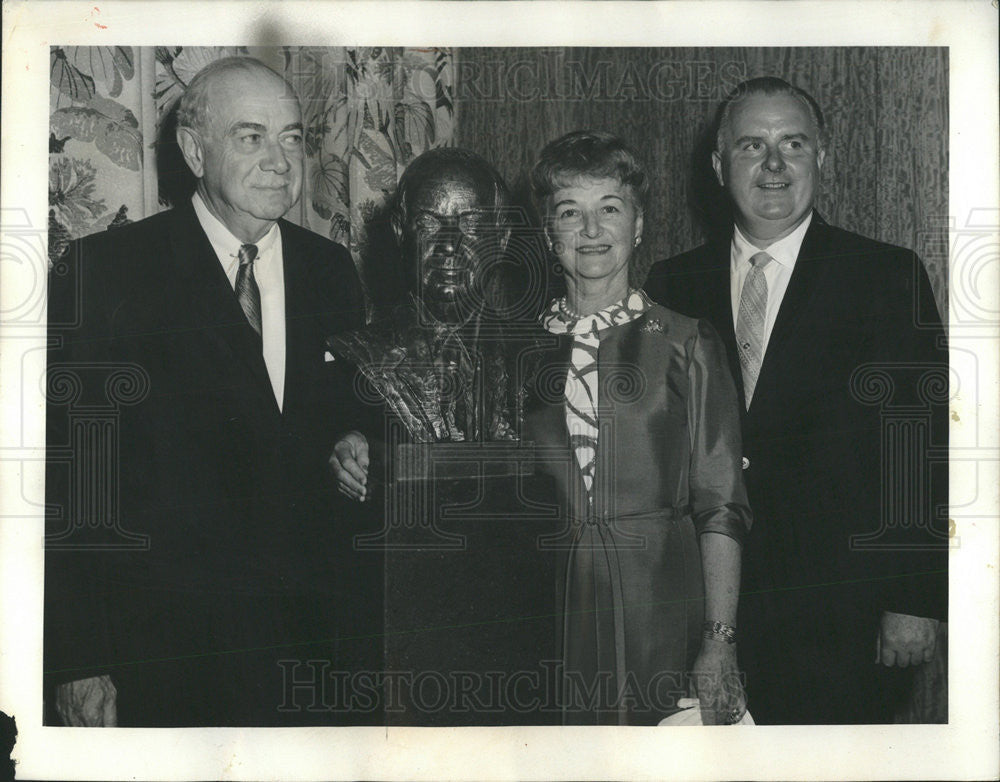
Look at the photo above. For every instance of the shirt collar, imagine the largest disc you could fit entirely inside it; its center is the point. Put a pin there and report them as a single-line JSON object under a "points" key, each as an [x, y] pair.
{"points": [[226, 245], [784, 251]]}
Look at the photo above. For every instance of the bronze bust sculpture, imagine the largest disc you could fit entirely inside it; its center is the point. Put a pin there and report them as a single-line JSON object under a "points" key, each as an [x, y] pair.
{"points": [[436, 359], [437, 384]]}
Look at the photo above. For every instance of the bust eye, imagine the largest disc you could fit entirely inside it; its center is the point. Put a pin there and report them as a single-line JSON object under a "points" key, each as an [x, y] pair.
{"points": [[568, 213], [251, 140], [610, 209], [471, 224], [292, 140], [753, 146], [427, 224]]}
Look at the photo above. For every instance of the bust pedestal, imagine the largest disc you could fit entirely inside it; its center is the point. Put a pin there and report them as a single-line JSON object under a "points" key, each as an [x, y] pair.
{"points": [[470, 614]]}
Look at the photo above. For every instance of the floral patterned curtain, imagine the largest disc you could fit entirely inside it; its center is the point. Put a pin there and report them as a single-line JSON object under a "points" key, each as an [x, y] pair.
{"points": [[96, 160], [367, 112]]}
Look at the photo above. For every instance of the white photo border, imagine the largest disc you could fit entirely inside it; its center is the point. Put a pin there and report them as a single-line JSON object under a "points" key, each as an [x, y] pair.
{"points": [[967, 748]]}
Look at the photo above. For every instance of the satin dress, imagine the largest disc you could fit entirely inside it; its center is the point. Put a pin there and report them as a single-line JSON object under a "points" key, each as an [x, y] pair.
{"points": [[668, 468]]}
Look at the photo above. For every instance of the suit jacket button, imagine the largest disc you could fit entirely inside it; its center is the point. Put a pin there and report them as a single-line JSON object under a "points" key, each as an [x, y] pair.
{"points": [[746, 463]]}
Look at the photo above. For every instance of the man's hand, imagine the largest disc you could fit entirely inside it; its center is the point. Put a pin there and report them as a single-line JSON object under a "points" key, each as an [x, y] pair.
{"points": [[88, 703], [905, 640], [349, 463], [717, 684]]}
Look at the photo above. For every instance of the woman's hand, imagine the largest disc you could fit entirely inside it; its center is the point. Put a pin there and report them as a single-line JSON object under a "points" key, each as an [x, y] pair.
{"points": [[349, 463], [717, 683]]}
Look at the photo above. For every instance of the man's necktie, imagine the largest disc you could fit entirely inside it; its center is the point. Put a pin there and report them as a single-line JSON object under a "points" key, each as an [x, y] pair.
{"points": [[246, 286], [750, 323]]}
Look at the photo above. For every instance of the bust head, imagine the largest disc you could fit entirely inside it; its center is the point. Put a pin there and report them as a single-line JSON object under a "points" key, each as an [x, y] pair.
{"points": [[450, 226]]}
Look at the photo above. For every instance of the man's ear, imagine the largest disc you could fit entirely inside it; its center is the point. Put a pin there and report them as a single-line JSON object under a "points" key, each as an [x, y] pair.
{"points": [[717, 165], [820, 157], [193, 150]]}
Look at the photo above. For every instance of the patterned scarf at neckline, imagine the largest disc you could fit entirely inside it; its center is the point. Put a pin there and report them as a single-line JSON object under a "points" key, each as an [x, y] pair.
{"points": [[559, 319], [582, 377]]}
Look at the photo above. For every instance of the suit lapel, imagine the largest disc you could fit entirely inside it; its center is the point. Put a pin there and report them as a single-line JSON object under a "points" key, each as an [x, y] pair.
{"points": [[214, 307], [298, 324], [805, 282], [719, 307]]}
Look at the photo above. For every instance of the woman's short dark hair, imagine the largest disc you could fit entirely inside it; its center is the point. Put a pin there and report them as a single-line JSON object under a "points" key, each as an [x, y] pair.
{"points": [[587, 154]]}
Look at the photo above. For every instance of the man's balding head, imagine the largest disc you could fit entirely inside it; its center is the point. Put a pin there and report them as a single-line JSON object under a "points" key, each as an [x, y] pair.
{"points": [[240, 130]]}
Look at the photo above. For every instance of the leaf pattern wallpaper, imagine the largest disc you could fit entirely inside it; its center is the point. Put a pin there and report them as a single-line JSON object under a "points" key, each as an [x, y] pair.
{"points": [[367, 112], [95, 142]]}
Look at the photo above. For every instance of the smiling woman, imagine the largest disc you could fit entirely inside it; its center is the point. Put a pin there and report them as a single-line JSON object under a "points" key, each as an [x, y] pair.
{"points": [[592, 190], [645, 449], [595, 226]]}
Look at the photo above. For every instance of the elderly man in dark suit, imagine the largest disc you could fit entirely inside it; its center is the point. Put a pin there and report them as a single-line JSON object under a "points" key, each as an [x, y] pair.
{"points": [[846, 562], [180, 590]]}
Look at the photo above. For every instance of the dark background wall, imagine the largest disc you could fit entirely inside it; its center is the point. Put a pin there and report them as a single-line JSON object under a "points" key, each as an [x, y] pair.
{"points": [[886, 172]]}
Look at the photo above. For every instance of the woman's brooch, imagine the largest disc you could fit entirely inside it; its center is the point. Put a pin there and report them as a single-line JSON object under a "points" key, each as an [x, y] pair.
{"points": [[652, 326]]}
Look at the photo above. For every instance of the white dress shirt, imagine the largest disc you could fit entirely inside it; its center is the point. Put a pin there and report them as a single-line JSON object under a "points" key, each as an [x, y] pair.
{"points": [[777, 273], [269, 272]]}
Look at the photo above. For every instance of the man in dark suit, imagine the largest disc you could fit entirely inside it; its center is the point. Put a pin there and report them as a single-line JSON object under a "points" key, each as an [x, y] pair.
{"points": [[188, 574], [838, 351]]}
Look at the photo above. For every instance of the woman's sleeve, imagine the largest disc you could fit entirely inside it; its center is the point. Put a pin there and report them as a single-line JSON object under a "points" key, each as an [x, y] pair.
{"points": [[718, 497]]}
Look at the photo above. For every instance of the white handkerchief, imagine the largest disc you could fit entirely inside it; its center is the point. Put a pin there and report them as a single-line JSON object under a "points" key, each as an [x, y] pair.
{"points": [[328, 357], [690, 714]]}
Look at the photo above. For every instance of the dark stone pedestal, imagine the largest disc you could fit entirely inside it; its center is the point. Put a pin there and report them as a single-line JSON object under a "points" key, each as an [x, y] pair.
{"points": [[470, 612]]}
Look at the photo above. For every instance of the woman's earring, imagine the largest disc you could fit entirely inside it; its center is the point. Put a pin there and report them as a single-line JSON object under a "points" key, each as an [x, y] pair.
{"points": [[638, 241]]}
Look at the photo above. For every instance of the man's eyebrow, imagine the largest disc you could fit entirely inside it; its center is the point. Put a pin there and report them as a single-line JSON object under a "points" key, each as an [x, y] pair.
{"points": [[247, 126], [798, 136], [256, 126]]}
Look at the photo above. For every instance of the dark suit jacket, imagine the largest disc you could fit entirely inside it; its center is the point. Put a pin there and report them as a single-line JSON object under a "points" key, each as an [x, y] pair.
{"points": [[189, 518], [849, 389]]}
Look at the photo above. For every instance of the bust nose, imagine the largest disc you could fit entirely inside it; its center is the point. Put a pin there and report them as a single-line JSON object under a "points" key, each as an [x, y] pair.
{"points": [[449, 240]]}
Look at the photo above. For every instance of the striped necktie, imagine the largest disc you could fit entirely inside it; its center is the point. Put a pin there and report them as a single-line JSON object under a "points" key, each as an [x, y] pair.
{"points": [[750, 323], [246, 286]]}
